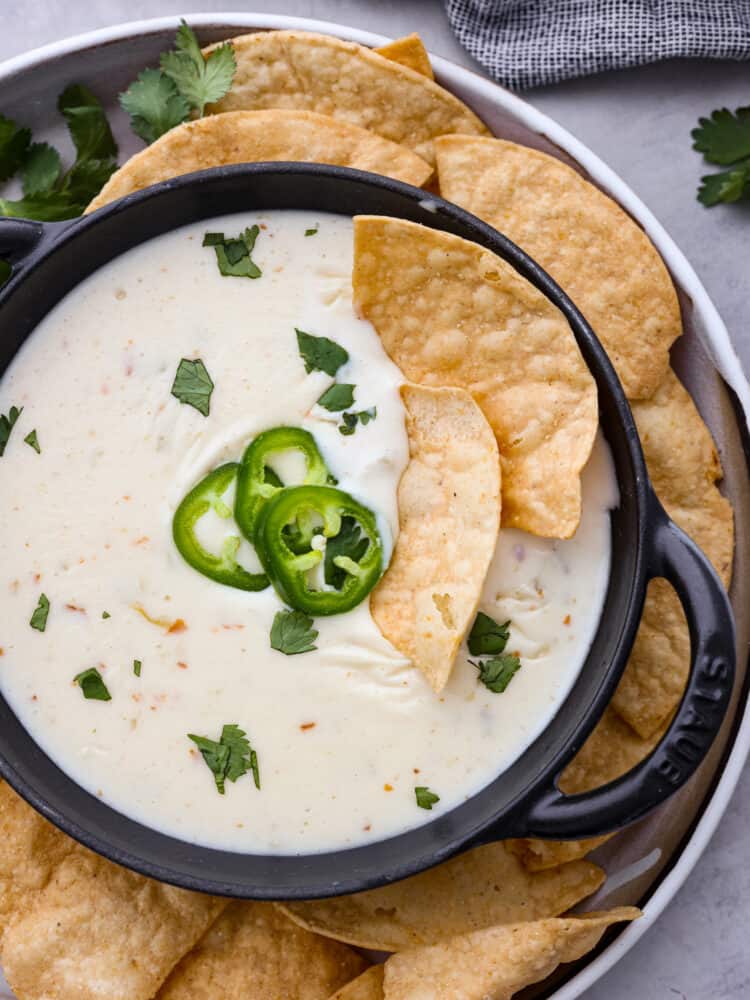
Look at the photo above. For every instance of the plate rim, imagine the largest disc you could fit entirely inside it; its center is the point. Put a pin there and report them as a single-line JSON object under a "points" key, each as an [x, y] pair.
{"points": [[712, 331]]}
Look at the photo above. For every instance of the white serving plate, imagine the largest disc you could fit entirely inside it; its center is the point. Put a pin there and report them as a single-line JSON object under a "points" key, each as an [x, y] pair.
{"points": [[647, 865]]}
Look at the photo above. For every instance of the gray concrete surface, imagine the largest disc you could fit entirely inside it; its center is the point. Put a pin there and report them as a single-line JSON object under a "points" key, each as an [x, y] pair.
{"points": [[639, 121]]}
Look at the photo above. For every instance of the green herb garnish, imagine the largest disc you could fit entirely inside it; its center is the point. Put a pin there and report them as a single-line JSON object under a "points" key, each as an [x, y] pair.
{"points": [[233, 253], [350, 544], [487, 637], [106, 614], [49, 193], [162, 98], [92, 684], [7, 423], [193, 386], [350, 420], [724, 139], [312, 232], [39, 617], [292, 632], [338, 397], [32, 442], [137, 667], [230, 757], [320, 354], [497, 673], [425, 798]]}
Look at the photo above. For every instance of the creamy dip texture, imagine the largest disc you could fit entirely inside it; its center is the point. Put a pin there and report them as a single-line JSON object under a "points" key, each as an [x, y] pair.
{"points": [[343, 733]]}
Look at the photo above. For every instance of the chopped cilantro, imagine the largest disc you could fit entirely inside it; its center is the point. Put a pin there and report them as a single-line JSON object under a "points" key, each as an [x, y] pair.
{"points": [[724, 139], [337, 397], [312, 232], [92, 684], [137, 667], [7, 423], [349, 544], [233, 254], [425, 798], [487, 637], [230, 757], [39, 617], [154, 104], [14, 147], [350, 420], [106, 614], [192, 385], [320, 354], [292, 632], [32, 442], [497, 673]]}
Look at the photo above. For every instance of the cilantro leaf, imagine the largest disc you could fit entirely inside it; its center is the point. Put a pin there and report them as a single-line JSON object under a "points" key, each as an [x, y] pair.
{"points": [[14, 145], [338, 397], [154, 104], [32, 442], [497, 673], [92, 684], [349, 543], [39, 617], [487, 636], [350, 420], [200, 81], [192, 385], [320, 354], [233, 255], [106, 614], [313, 231], [87, 124], [229, 757], [724, 137], [137, 667], [292, 632], [48, 207], [41, 169], [425, 798], [7, 423], [726, 186]]}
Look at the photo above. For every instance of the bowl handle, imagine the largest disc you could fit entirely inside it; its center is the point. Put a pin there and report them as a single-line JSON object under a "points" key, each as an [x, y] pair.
{"points": [[18, 237], [697, 721]]}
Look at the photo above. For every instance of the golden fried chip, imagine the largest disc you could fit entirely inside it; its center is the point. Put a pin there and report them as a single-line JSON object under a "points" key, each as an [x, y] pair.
{"points": [[591, 247], [684, 469], [477, 889], [100, 932], [252, 136], [496, 963], [611, 750], [299, 69], [451, 313], [254, 952], [449, 516], [368, 986], [30, 849], [410, 52]]}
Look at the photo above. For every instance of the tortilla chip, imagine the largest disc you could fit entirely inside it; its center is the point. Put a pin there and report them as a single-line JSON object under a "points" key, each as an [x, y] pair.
{"points": [[684, 469], [30, 849], [590, 246], [449, 516], [611, 750], [477, 889], [253, 952], [253, 136], [368, 986], [100, 932], [299, 69], [451, 313], [410, 52], [496, 963]]}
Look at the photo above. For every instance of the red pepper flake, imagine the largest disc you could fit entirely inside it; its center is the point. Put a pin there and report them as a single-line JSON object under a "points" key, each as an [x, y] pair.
{"points": [[2, 651], [143, 540], [126, 496], [129, 370], [387, 788], [37, 577], [308, 725], [415, 770], [135, 696], [74, 607], [228, 627], [566, 620], [177, 626], [181, 665], [34, 698], [367, 828]]}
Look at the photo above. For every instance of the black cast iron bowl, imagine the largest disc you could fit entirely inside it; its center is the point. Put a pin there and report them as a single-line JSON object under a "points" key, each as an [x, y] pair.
{"points": [[49, 260]]}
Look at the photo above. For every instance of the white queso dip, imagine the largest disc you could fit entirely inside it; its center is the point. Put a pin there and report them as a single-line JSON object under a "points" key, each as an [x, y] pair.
{"points": [[154, 685]]}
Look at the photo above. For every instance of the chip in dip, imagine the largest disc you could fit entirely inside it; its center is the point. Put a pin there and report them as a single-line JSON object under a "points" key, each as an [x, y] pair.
{"points": [[147, 647]]}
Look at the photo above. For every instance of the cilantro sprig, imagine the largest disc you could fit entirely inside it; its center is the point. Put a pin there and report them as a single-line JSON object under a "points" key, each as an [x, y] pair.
{"points": [[425, 798], [724, 139], [160, 99], [489, 638], [50, 193], [229, 757], [292, 632]]}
